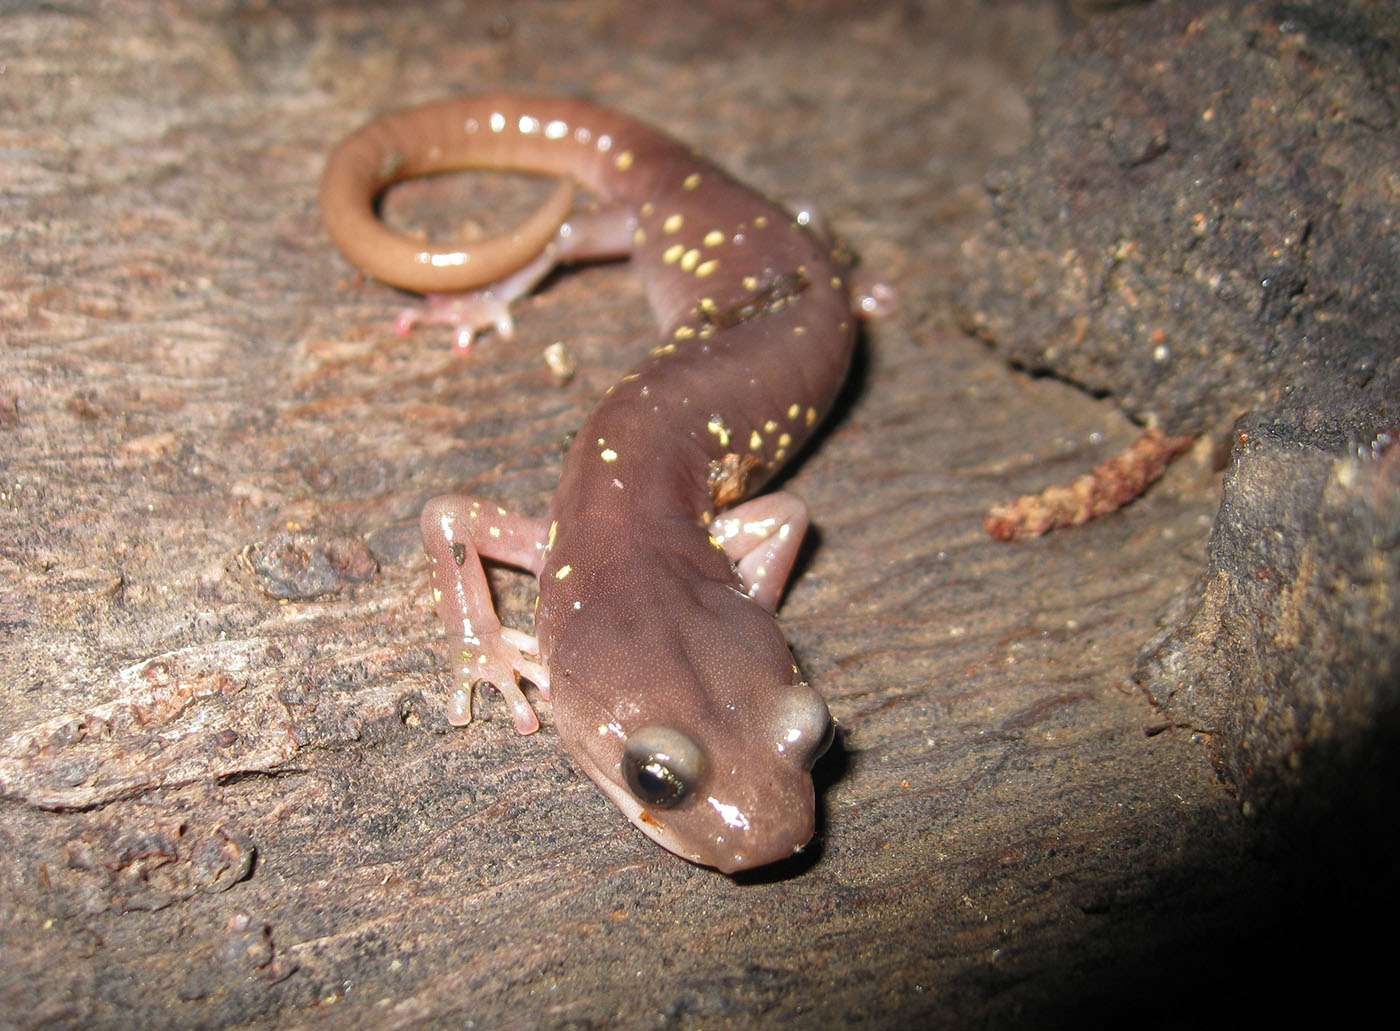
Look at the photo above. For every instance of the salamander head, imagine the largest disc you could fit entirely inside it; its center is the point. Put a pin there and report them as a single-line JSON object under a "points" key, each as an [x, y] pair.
{"points": [[678, 695], [734, 793]]}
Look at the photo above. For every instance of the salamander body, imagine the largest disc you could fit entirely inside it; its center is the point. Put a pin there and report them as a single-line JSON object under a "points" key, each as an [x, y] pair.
{"points": [[671, 684]]}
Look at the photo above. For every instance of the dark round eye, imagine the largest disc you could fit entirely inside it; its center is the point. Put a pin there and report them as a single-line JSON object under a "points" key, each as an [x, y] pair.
{"points": [[662, 766]]}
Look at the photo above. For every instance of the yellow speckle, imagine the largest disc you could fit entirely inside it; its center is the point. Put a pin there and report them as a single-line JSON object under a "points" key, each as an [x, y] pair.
{"points": [[692, 180], [707, 304], [639, 236], [562, 573], [648, 209], [608, 455], [760, 222], [719, 429], [660, 349], [769, 426], [713, 238], [785, 440], [755, 441], [673, 223], [623, 161], [495, 531], [672, 253], [553, 531], [798, 331], [836, 283], [750, 282], [716, 542], [684, 332], [706, 268], [794, 411], [811, 416], [690, 259]]}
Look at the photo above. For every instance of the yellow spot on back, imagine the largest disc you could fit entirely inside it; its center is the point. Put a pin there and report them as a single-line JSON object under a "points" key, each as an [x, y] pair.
{"points": [[769, 426], [673, 223], [672, 253], [690, 259], [684, 332], [719, 429], [713, 238], [760, 222], [608, 455], [755, 441], [692, 180], [750, 282], [811, 416], [794, 411], [639, 236], [660, 349], [562, 573], [623, 161], [706, 268]]}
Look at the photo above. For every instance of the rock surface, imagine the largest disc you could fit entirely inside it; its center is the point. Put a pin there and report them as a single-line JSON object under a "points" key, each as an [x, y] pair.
{"points": [[1207, 223]]}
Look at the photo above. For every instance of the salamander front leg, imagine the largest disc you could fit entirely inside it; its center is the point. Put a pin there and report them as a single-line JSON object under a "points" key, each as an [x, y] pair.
{"points": [[458, 532], [762, 538]]}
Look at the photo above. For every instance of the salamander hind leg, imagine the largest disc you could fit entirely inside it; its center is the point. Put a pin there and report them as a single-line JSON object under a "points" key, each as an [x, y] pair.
{"points": [[458, 532], [762, 538], [587, 236]]}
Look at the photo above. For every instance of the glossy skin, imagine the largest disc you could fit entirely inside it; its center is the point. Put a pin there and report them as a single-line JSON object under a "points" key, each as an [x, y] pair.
{"points": [[672, 685]]}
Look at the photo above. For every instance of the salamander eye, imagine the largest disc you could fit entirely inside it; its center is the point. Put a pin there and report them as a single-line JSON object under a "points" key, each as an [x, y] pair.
{"points": [[803, 725], [662, 766]]}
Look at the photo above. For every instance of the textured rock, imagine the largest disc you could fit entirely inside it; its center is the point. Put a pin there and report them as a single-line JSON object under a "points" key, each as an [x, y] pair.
{"points": [[1288, 650], [1206, 220], [1206, 223]]}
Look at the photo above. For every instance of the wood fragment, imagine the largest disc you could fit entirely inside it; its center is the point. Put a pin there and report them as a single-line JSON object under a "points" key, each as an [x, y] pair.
{"points": [[1111, 484]]}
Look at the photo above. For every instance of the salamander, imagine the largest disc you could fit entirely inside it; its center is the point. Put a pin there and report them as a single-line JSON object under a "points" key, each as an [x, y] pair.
{"points": [[659, 564]]}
